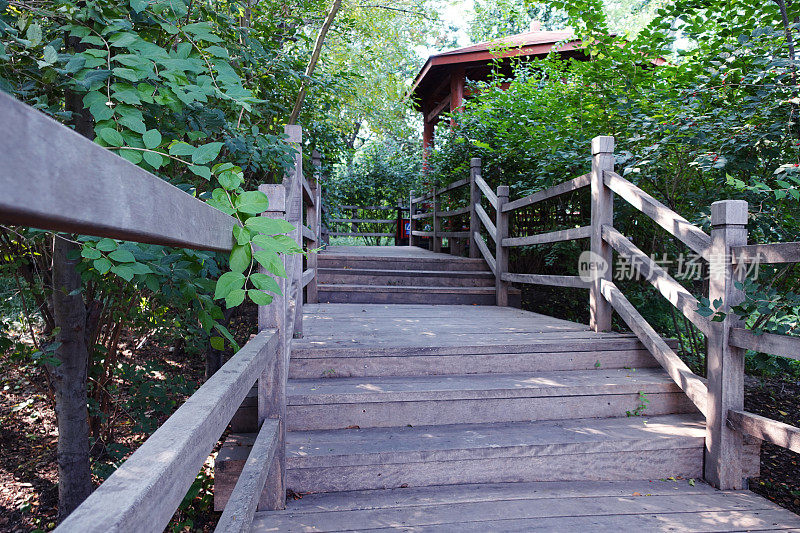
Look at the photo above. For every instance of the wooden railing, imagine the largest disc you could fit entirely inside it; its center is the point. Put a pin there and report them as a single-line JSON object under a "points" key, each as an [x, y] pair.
{"points": [[52, 178], [720, 397], [368, 215]]}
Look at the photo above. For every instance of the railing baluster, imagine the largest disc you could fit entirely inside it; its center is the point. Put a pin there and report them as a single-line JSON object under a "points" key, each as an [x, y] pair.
{"points": [[313, 213], [723, 464], [474, 199], [412, 224], [294, 185], [501, 252]]}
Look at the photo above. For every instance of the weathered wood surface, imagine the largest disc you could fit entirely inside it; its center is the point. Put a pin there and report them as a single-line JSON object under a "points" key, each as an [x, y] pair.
{"points": [[307, 276], [693, 385], [779, 252], [673, 291], [143, 494], [487, 191], [675, 224], [53, 178], [500, 251], [784, 435], [455, 185], [474, 199], [484, 249], [556, 190], [770, 343], [605, 507], [417, 216], [243, 501], [570, 234], [487, 222], [308, 233], [453, 212], [602, 213], [546, 279]]}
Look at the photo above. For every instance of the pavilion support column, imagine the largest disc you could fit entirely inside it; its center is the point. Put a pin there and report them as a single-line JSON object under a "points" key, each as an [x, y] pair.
{"points": [[427, 143], [457, 81]]}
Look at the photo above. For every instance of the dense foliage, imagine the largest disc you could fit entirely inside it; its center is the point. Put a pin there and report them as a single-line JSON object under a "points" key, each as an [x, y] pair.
{"points": [[717, 119]]}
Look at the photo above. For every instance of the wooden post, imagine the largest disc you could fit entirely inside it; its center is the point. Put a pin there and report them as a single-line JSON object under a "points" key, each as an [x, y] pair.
{"points": [[437, 241], [723, 464], [501, 252], [474, 199], [412, 240], [313, 213], [602, 214], [294, 214], [272, 382]]}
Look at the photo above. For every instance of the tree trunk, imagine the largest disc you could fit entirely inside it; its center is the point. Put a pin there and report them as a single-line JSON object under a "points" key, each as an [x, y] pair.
{"points": [[69, 380]]}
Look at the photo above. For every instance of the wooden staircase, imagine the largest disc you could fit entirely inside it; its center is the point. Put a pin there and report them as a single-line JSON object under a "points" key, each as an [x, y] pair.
{"points": [[404, 275], [372, 410]]}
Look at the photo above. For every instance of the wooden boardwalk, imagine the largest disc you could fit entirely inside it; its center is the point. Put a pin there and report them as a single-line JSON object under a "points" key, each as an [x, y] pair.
{"points": [[481, 418]]}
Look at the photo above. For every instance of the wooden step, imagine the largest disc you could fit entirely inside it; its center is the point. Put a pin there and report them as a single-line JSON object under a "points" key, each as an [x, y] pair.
{"points": [[443, 262], [592, 506], [419, 278], [579, 354], [573, 450], [418, 401], [390, 294]]}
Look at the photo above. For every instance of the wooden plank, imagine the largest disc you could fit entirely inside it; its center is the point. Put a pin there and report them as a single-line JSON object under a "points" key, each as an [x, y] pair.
{"points": [[453, 212], [365, 220], [673, 291], [423, 233], [500, 252], [370, 207], [694, 386], [143, 493], [308, 195], [541, 279], [601, 256], [342, 234], [487, 222], [474, 198], [56, 179], [764, 428], [779, 252], [308, 275], [453, 234], [556, 190], [417, 216], [783, 345], [676, 225], [308, 234], [452, 186], [570, 234], [487, 255], [422, 198], [243, 502], [487, 191], [438, 109]]}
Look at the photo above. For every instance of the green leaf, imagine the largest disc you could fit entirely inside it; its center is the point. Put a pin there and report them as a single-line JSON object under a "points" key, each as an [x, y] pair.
{"points": [[50, 54], [240, 258], [228, 282], [122, 256], [151, 139], [180, 148], [90, 253], [206, 153], [218, 343], [234, 298], [111, 136], [123, 271], [269, 226], [252, 202], [265, 282], [134, 156], [106, 245], [200, 170], [242, 235], [230, 179], [102, 265], [153, 159], [271, 261], [259, 298]]}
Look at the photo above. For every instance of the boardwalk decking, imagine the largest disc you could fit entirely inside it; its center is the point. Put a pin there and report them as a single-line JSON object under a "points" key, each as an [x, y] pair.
{"points": [[412, 417]]}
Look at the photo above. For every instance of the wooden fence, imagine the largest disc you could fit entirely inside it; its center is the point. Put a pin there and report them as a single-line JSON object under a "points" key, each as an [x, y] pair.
{"points": [[720, 397], [52, 178], [367, 215]]}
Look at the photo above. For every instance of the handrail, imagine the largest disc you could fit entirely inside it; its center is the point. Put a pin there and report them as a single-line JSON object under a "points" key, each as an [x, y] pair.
{"points": [[767, 429], [362, 234], [364, 220], [487, 191], [673, 291], [487, 255], [551, 192], [50, 172], [694, 386], [487, 222], [237, 517], [779, 252], [545, 279], [143, 493], [771, 343], [453, 212], [570, 234], [455, 185], [675, 224]]}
